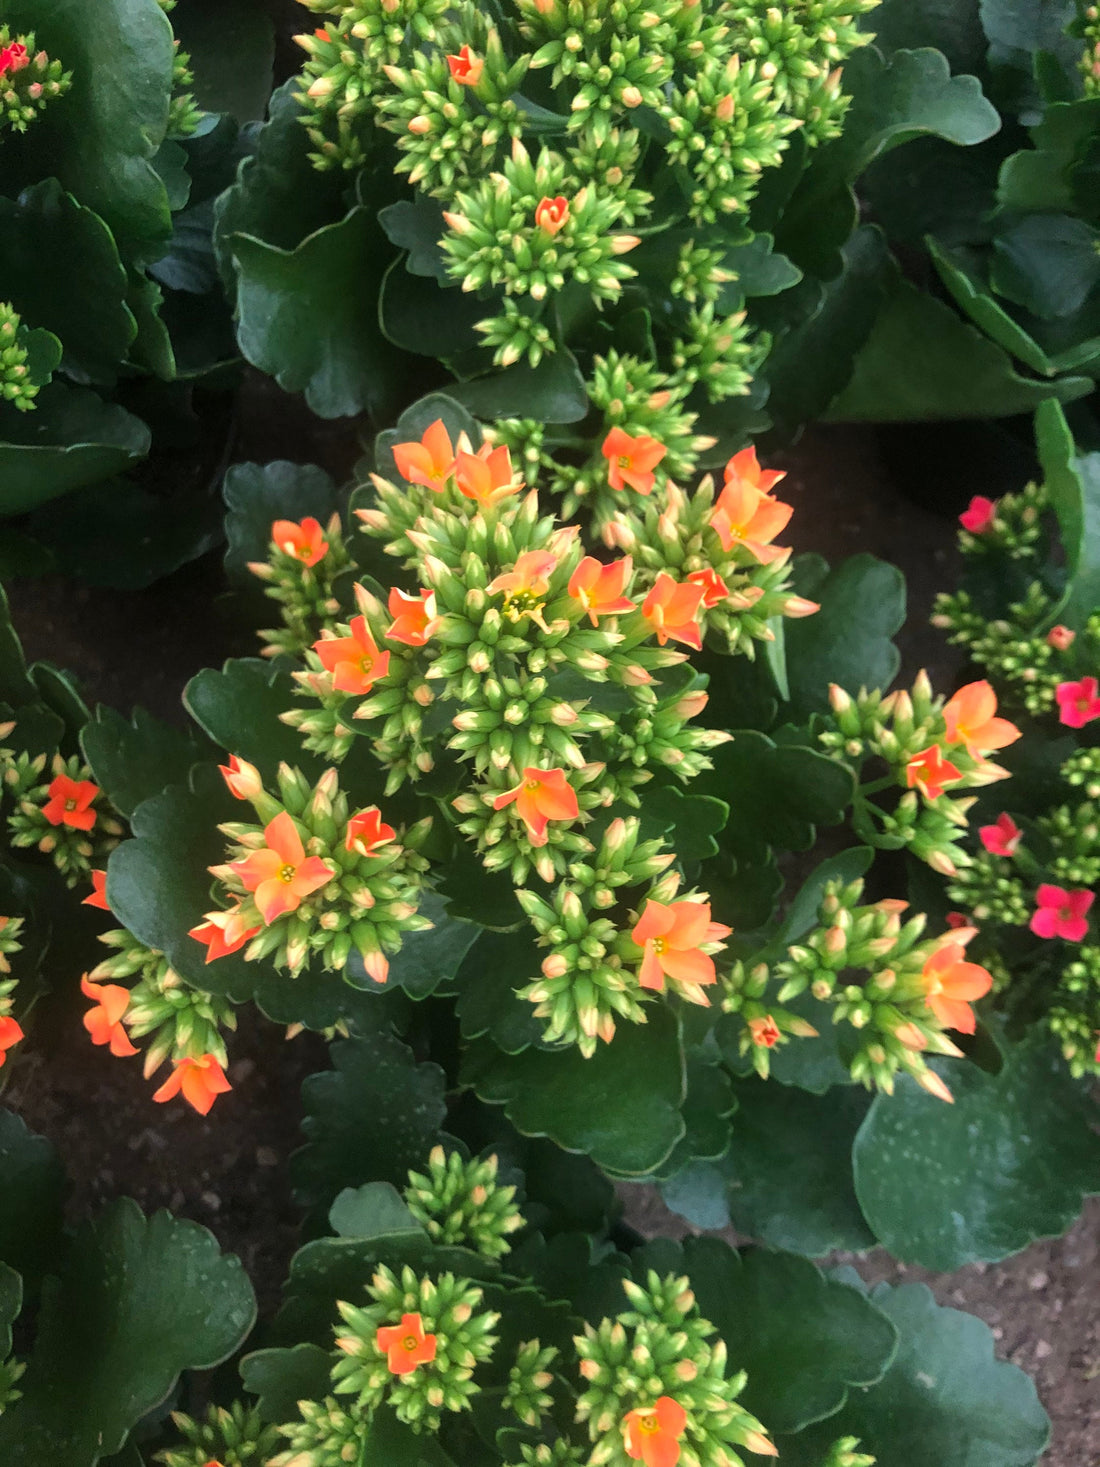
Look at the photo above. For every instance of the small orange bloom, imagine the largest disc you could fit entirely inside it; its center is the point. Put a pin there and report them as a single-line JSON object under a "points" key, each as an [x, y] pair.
{"points": [[429, 462], [223, 932], [367, 830], [280, 875], [10, 1035], [305, 541], [414, 618], [599, 588], [542, 795], [746, 516], [552, 214], [970, 720], [715, 590], [744, 466], [951, 983], [242, 778], [528, 578], [652, 1433], [104, 1023], [405, 1345], [672, 938], [355, 662], [631, 461], [201, 1080], [671, 609], [764, 1031], [466, 68], [70, 801], [486, 475], [929, 771], [98, 897]]}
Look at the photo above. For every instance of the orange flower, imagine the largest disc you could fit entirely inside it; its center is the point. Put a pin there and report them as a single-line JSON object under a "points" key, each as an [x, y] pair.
{"points": [[98, 897], [305, 541], [970, 720], [10, 1035], [764, 1031], [652, 1433], [367, 830], [104, 1023], [542, 795], [671, 609], [69, 802], [929, 771], [528, 580], [466, 68], [599, 588], [355, 662], [405, 1345], [202, 1080], [744, 466], [746, 516], [243, 779], [486, 475], [672, 938], [414, 618], [429, 462], [552, 214], [223, 932], [631, 461], [951, 983], [715, 590], [280, 875]]}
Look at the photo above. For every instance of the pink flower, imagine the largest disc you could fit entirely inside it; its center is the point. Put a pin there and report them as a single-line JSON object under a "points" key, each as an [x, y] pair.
{"points": [[1078, 703], [1061, 913], [1061, 638], [978, 515], [1002, 837]]}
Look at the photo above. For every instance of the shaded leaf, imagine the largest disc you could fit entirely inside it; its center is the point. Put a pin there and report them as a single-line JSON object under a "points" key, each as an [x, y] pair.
{"points": [[552, 392], [232, 48], [848, 641], [32, 1194], [258, 494], [1074, 483], [239, 704], [1047, 263], [132, 761]]}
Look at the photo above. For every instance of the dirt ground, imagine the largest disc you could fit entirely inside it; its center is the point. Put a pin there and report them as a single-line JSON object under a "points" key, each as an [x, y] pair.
{"points": [[230, 1170]]}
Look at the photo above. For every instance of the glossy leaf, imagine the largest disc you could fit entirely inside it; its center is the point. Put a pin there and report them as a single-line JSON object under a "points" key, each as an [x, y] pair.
{"points": [[952, 26], [418, 316], [239, 704], [428, 961], [32, 1194], [1074, 484], [972, 296], [496, 966], [1051, 174], [72, 438], [417, 225], [1047, 263], [132, 761], [552, 392], [848, 641], [258, 494], [283, 1377]]}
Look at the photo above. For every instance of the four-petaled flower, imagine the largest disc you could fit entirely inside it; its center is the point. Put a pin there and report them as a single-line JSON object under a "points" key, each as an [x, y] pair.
{"points": [[223, 932], [13, 57], [243, 779], [414, 617], [429, 462], [631, 461], [466, 68], [552, 215], [929, 771], [405, 1345], [672, 939], [542, 795], [1061, 913], [104, 1022], [367, 830], [70, 802], [280, 875], [599, 588], [764, 1031], [305, 541], [969, 716], [951, 984], [746, 467], [1078, 703], [1002, 837], [201, 1080], [745, 515], [1061, 638], [671, 609], [98, 897], [652, 1433], [486, 475], [525, 585], [978, 516], [10, 1035], [355, 662], [715, 590]]}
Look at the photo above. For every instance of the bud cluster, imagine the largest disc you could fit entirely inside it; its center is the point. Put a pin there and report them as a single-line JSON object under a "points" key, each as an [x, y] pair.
{"points": [[302, 573], [461, 1203], [845, 1452], [233, 1436], [66, 817], [327, 1434], [29, 80], [11, 1372], [527, 1394], [10, 1031], [184, 113], [16, 386], [1087, 27]]}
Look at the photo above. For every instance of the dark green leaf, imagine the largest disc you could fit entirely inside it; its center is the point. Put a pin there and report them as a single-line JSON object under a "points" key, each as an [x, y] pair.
{"points": [[708, 1105], [32, 1194], [232, 48], [849, 640], [552, 392], [282, 1378], [496, 966], [419, 316], [690, 821], [11, 1301], [258, 494], [413, 423], [952, 26], [373, 1208], [1048, 175], [417, 225], [760, 269], [1047, 263], [428, 961], [1030, 25], [958, 270], [239, 708], [132, 761], [802, 914], [933, 187], [1074, 484]]}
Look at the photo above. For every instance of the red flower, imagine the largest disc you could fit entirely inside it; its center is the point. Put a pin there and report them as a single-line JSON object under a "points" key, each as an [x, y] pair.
{"points": [[552, 214], [764, 1031], [1002, 837], [929, 771], [243, 779], [672, 938], [969, 716], [367, 830], [466, 68], [280, 875], [414, 618], [715, 590], [10, 1035], [631, 461], [98, 897], [223, 932], [305, 541], [599, 588], [1061, 638], [202, 1080], [957, 919], [542, 795], [355, 662], [486, 475], [13, 57], [405, 1345], [978, 515], [652, 1433], [70, 801], [104, 1023], [428, 462], [671, 609], [951, 983], [1061, 913], [1078, 703]]}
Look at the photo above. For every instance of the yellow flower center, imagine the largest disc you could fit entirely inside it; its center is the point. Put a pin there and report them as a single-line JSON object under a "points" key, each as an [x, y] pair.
{"points": [[624, 463], [647, 1422], [410, 1342], [533, 784], [287, 874], [659, 946], [70, 804]]}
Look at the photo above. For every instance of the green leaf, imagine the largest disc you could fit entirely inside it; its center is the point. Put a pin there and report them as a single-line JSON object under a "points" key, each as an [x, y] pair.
{"points": [[690, 821], [101, 139], [373, 1208], [802, 913], [1050, 174], [417, 225], [621, 1107], [15, 683], [552, 392], [1047, 263], [1010, 1161], [32, 1194], [132, 761], [11, 1302], [708, 1104], [308, 316], [258, 494], [429, 960], [418, 316], [377, 1091], [951, 26], [1074, 484], [239, 708], [933, 187], [848, 641], [944, 1402], [973, 299], [760, 269], [232, 48], [921, 362], [138, 1301], [1031, 25], [496, 966], [282, 1378], [414, 422], [72, 438]]}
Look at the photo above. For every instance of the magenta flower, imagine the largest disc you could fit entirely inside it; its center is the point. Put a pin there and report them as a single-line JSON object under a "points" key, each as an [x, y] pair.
{"points": [[1002, 837], [1061, 913], [1078, 703], [977, 517]]}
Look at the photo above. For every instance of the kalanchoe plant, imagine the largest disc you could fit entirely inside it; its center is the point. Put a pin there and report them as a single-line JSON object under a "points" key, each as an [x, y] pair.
{"points": [[29, 80]]}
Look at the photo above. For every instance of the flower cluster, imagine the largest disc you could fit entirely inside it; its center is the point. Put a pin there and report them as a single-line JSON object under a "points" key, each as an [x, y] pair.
{"points": [[29, 80], [1087, 27], [65, 817], [10, 1031], [184, 113], [305, 565], [233, 1436], [461, 1202], [16, 384]]}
